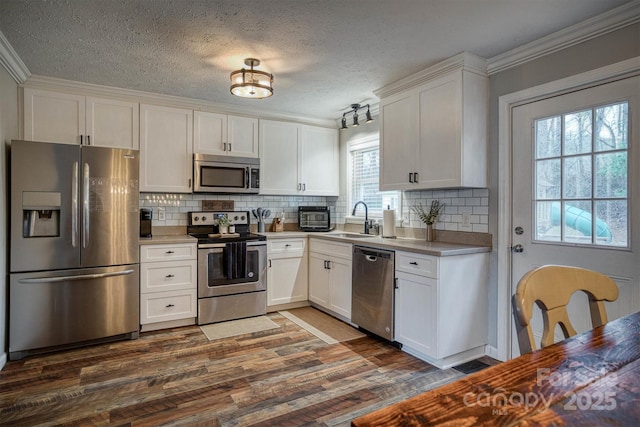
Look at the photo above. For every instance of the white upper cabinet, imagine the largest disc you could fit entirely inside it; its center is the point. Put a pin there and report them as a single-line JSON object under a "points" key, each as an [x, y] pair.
{"points": [[433, 131], [319, 161], [298, 159], [225, 135], [166, 149], [77, 119]]}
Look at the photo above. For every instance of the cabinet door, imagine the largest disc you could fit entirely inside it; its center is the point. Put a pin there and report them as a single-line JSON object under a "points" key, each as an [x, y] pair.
{"points": [[287, 280], [415, 313], [320, 162], [209, 133], [113, 123], [440, 132], [53, 116], [166, 142], [340, 286], [279, 158], [318, 280], [398, 141], [243, 136]]}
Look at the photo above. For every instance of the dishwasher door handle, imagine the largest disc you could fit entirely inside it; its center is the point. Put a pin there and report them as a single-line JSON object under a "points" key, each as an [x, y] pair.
{"points": [[371, 258]]}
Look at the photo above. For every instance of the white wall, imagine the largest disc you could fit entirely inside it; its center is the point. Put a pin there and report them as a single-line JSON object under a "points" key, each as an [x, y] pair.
{"points": [[8, 131]]}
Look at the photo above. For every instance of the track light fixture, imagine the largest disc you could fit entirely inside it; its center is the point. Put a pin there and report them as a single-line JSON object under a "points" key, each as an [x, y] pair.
{"points": [[354, 110]]}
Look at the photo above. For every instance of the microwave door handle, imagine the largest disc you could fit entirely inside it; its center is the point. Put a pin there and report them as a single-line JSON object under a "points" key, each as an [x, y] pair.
{"points": [[247, 175]]}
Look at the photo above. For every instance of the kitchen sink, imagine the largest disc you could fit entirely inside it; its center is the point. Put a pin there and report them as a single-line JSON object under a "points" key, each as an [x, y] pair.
{"points": [[353, 235]]}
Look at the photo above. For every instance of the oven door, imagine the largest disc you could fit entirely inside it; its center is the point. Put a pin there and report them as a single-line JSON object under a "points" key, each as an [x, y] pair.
{"points": [[231, 268]]}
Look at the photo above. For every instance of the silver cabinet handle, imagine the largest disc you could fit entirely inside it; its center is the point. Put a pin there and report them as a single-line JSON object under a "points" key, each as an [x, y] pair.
{"points": [[75, 278], [74, 205], [85, 205]]}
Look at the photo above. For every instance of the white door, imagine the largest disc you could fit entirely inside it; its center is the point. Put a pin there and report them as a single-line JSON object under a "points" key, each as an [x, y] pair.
{"points": [[319, 160], [166, 149], [575, 158], [113, 123], [243, 136]]}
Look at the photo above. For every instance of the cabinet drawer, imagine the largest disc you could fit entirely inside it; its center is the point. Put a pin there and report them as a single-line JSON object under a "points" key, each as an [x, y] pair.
{"points": [[342, 250], [424, 265], [286, 246], [168, 252], [164, 306], [168, 276]]}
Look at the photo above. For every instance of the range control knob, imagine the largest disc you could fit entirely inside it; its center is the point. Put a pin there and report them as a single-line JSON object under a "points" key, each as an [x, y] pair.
{"points": [[196, 218], [204, 218], [235, 217]]}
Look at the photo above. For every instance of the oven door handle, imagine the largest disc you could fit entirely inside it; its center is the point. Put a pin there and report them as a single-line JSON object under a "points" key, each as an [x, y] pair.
{"points": [[221, 245]]}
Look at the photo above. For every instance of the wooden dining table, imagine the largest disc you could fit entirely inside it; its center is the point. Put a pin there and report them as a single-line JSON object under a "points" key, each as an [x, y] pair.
{"points": [[590, 379]]}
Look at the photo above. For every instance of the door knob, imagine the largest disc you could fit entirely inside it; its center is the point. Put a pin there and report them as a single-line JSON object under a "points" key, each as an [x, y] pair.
{"points": [[518, 249]]}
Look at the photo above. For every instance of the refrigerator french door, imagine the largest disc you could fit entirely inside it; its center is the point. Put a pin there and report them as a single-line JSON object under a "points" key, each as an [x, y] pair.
{"points": [[74, 246]]}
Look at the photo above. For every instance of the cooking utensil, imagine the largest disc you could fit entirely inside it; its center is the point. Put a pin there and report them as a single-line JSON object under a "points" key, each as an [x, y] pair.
{"points": [[267, 213], [255, 215], [259, 211]]}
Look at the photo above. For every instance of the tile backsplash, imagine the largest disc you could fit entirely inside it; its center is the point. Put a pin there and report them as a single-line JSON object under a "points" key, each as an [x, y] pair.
{"points": [[460, 203], [176, 206]]}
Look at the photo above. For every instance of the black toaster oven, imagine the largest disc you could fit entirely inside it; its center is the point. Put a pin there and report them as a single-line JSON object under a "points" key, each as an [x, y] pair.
{"points": [[314, 218]]}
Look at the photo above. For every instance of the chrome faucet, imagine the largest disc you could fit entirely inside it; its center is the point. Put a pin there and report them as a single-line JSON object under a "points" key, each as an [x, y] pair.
{"points": [[367, 223]]}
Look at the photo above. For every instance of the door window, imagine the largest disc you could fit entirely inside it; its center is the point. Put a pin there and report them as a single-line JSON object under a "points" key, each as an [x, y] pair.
{"points": [[581, 177]]}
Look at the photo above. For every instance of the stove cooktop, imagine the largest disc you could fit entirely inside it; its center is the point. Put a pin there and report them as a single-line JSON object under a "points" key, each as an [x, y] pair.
{"points": [[202, 226]]}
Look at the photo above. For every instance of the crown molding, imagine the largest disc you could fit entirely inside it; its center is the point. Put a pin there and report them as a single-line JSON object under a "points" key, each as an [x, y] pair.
{"points": [[462, 61], [12, 62], [597, 26], [90, 89]]}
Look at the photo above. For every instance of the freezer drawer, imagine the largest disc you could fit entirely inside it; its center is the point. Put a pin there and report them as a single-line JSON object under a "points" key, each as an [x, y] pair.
{"points": [[68, 307]]}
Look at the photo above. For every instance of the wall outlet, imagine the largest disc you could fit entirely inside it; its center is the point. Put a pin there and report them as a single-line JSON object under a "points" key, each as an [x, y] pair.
{"points": [[466, 221], [405, 219], [161, 214]]}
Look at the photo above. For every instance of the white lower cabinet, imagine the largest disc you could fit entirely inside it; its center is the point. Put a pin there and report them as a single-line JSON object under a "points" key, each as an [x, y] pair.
{"points": [[330, 276], [287, 271], [168, 285], [441, 306]]}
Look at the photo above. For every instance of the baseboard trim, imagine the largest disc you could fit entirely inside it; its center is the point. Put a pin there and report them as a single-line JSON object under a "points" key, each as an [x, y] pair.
{"points": [[491, 351], [3, 360]]}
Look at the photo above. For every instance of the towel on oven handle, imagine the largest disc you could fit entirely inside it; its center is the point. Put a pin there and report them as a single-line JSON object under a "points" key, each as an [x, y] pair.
{"points": [[235, 254]]}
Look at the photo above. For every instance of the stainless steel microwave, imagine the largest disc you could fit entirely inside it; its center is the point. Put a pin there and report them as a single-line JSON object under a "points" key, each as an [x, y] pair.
{"points": [[225, 174]]}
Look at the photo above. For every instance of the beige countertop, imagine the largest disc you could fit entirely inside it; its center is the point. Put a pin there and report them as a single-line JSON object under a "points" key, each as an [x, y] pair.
{"points": [[398, 244], [168, 239]]}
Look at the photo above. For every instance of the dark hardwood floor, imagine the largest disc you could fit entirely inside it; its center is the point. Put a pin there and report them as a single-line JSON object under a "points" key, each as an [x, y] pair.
{"points": [[279, 377]]}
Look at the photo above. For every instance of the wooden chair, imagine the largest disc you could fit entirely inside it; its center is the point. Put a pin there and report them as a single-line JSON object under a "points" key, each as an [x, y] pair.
{"points": [[551, 288]]}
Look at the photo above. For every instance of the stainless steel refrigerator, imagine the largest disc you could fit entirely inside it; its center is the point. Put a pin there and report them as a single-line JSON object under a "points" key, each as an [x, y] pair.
{"points": [[74, 272]]}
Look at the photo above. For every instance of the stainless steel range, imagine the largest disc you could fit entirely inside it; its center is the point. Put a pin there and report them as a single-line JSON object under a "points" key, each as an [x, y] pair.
{"points": [[232, 268]]}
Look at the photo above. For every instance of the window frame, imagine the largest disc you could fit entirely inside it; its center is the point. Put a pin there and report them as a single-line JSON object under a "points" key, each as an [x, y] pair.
{"points": [[371, 141]]}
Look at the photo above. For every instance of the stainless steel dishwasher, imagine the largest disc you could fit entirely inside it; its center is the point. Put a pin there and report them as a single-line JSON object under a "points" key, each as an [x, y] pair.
{"points": [[373, 290]]}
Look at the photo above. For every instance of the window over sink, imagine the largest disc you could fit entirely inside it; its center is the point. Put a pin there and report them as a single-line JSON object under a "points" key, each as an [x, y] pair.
{"points": [[363, 178]]}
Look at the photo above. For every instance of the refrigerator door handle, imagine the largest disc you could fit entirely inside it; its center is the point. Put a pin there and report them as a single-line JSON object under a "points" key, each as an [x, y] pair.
{"points": [[85, 206], [80, 277], [74, 205]]}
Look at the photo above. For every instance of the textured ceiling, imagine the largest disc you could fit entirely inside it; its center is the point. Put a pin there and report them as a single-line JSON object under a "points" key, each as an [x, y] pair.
{"points": [[324, 54]]}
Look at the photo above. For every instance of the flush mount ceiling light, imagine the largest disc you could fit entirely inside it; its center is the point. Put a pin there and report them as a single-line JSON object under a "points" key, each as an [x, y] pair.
{"points": [[354, 110], [251, 83]]}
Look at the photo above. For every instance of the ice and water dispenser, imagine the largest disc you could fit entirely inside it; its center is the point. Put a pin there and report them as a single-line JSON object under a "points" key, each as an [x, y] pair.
{"points": [[41, 214]]}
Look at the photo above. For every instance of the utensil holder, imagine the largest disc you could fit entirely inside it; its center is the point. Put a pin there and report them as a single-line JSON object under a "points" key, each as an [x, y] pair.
{"points": [[261, 227]]}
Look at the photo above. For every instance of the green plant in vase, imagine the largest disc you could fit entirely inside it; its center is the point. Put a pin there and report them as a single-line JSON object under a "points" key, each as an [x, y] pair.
{"points": [[223, 223], [429, 217]]}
